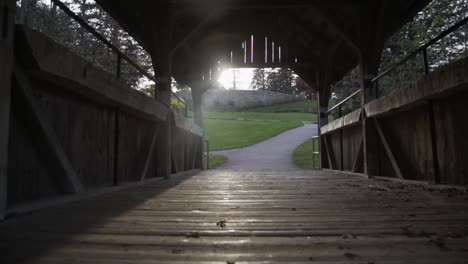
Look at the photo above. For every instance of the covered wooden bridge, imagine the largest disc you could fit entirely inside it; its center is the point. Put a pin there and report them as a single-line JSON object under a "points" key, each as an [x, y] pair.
{"points": [[94, 172]]}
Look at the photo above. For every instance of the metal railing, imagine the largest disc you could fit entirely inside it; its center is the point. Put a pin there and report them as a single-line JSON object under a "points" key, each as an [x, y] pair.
{"points": [[120, 55], [421, 50], [207, 153], [316, 152], [339, 106]]}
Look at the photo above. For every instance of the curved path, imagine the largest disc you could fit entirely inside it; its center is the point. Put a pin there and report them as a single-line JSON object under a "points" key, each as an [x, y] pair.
{"points": [[272, 154]]}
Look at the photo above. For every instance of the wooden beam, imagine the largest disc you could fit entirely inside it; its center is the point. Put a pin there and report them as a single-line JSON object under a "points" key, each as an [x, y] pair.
{"points": [[330, 153], [186, 151], [309, 36], [180, 43], [434, 148], [7, 9], [68, 178], [115, 174], [338, 26], [149, 156], [359, 157], [195, 151], [388, 149]]}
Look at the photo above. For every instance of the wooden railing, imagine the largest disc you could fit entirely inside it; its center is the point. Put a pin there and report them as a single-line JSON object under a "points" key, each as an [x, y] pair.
{"points": [[421, 50], [120, 55]]}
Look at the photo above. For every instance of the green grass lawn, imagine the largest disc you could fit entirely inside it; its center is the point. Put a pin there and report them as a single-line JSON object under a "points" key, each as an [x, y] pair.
{"points": [[303, 156], [293, 117], [215, 161], [229, 134], [257, 125], [304, 106]]}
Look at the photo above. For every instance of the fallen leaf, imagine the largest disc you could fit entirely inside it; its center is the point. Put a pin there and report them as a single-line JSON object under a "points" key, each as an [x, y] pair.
{"points": [[350, 255]]}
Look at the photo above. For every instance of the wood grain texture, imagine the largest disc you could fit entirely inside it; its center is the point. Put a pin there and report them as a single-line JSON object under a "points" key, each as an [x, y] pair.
{"points": [[248, 217], [59, 158], [388, 150], [6, 58]]}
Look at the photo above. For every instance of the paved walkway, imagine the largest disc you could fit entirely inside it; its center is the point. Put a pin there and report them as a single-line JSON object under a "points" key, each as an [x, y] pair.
{"points": [[272, 154]]}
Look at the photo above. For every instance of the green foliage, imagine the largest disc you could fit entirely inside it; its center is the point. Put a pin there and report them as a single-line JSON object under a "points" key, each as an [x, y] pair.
{"points": [[280, 80], [437, 17], [229, 134], [348, 85], [259, 79], [176, 103], [303, 156], [52, 21], [148, 90]]}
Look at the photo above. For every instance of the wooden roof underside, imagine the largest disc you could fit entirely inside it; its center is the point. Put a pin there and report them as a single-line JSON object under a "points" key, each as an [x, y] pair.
{"points": [[314, 32]]}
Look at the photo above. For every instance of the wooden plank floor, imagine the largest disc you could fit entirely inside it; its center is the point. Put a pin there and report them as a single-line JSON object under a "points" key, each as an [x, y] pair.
{"points": [[248, 217]]}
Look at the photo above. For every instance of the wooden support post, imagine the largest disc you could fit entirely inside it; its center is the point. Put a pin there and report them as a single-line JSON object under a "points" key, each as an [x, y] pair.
{"points": [[197, 98], [197, 158], [115, 174], [162, 55], [369, 67], [165, 147], [388, 150], [65, 172], [198, 90], [359, 158], [150, 155], [330, 153], [7, 8], [322, 108], [370, 147], [196, 149], [433, 133], [175, 151], [370, 45], [162, 61], [188, 150], [341, 151]]}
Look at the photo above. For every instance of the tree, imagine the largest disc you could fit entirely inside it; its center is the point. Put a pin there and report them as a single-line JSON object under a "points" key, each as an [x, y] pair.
{"points": [[259, 79], [302, 88], [437, 17], [280, 80], [61, 28]]}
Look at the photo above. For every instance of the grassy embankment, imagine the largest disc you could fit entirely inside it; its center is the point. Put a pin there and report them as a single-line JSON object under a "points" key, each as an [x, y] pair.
{"points": [[215, 161], [228, 130], [303, 156]]}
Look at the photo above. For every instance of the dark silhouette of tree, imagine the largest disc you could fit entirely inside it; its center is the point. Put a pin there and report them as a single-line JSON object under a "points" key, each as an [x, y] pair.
{"points": [[437, 17], [259, 81], [280, 80], [61, 28]]}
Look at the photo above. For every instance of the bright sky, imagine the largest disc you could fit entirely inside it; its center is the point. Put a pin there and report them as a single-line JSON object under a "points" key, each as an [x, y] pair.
{"points": [[243, 78]]}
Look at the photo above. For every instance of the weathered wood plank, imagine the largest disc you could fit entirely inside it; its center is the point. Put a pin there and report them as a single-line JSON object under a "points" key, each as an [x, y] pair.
{"points": [[285, 217], [359, 157], [449, 79], [388, 150], [6, 57], [67, 175], [330, 153], [61, 66], [151, 150]]}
